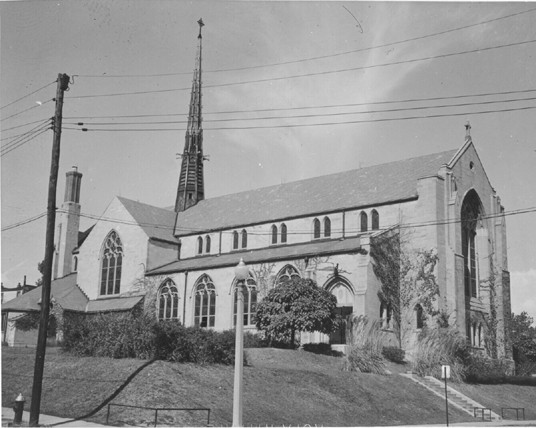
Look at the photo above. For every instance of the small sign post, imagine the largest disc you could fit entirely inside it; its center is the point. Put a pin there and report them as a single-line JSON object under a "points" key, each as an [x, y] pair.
{"points": [[445, 374]]}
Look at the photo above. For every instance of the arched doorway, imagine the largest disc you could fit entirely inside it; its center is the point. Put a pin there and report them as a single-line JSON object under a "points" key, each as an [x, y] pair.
{"points": [[344, 293]]}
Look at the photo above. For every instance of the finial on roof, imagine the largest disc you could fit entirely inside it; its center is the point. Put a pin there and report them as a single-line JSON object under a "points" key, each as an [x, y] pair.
{"points": [[467, 131], [201, 24]]}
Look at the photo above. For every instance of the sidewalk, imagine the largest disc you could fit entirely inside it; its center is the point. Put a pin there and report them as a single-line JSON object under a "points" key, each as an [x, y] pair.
{"points": [[44, 420]]}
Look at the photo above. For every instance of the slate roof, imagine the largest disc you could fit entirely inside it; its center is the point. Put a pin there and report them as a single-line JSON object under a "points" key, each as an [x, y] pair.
{"points": [[64, 290], [368, 186], [70, 297], [156, 222], [279, 252]]}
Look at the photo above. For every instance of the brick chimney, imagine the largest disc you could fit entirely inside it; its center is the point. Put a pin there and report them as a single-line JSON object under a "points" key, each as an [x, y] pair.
{"points": [[68, 225]]}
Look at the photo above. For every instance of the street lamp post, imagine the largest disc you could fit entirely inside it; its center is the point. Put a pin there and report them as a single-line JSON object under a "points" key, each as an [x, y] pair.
{"points": [[241, 274]]}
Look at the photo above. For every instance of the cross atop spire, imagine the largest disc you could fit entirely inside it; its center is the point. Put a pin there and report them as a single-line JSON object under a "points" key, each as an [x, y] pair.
{"points": [[191, 182], [467, 131]]}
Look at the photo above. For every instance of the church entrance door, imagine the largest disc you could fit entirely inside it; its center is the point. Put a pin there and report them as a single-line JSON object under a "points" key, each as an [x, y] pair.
{"points": [[345, 307]]}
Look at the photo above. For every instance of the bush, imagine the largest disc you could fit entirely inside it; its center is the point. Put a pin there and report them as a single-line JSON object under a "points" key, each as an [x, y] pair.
{"points": [[253, 340], [321, 348], [480, 367], [366, 350], [501, 379], [394, 354], [128, 335], [436, 347]]}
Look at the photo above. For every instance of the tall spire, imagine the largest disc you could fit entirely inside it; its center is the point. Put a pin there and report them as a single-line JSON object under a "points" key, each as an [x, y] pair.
{"points": [[191, 187]]}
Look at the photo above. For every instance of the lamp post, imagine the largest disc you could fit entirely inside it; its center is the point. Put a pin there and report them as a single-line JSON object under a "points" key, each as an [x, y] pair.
{"points": [[241, 274]]}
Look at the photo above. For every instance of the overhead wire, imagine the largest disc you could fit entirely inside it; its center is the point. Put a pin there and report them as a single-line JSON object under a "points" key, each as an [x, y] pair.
{"points": [[13, 145], [25, 133], [303, 116], [407, 100], [20, 126], [29, 108], [384, 45], [27, 95], [301, 125], [319, 73]]}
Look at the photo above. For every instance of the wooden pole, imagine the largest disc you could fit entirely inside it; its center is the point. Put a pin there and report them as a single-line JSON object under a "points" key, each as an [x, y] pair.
{"points": [[63, 84]]}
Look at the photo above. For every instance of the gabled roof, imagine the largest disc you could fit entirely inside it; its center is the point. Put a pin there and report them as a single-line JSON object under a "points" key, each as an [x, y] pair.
{"points": [[156, 222], [374, 185], [270, 254], [63, 290]]}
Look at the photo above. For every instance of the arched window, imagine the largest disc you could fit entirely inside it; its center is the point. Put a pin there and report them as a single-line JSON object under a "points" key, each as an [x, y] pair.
{"points": [[75, 263], [316, 228], [168, 301], [287, 273], [470, 215], [363, 219], [207, 244], [274, 234], [244, 238], [111, 263], [250, 302], [419, 316], [235, 240], [283, 233], [205, 302], [375, 220], [199, 245], [327, 227], [479, 335]]}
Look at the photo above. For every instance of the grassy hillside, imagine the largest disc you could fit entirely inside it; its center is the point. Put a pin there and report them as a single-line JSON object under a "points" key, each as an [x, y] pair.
{"points": [[282, 387]]}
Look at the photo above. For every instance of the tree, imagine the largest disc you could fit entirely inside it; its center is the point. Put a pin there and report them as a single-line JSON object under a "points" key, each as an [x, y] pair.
{"points": [[523, 339], [296, 305]]}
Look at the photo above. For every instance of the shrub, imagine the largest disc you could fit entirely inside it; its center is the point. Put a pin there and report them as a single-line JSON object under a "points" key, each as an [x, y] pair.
{"points": [[129, 335], [394, 354], [253, 340], [321, 348], [366, 350], [480, 367], [439, 346]]}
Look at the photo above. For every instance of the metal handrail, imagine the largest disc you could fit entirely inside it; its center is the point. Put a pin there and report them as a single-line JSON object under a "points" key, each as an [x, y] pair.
{"points": [[517, 409], [156, 409], [482, 409]]}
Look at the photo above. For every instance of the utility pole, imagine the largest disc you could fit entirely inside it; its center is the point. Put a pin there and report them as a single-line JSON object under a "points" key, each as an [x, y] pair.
{"points": [[63, 84]]}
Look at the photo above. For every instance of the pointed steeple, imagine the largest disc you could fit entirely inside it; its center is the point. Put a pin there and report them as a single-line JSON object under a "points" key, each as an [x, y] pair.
{"points": [[191, 187]]}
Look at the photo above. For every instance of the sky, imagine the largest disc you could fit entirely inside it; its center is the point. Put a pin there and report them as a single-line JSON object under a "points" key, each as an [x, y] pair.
{"points": [[340, 63]]}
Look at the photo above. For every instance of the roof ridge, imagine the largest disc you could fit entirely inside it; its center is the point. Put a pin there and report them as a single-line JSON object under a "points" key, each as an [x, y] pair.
{"points": [[319, 177]]}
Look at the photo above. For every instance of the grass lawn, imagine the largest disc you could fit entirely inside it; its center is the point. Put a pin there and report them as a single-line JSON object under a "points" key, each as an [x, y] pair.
{"points": [[281, 387]]}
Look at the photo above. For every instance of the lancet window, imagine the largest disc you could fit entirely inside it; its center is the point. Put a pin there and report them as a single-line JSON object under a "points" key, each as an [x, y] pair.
{"points": [[111, 264]]}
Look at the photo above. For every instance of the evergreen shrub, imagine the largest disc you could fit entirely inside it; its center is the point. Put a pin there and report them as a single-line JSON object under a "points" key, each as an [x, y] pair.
{"points": [[394, 354], [134, 335]]}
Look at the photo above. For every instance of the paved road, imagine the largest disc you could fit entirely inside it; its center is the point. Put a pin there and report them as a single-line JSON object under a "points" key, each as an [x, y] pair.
{"points": [[45, 420]]}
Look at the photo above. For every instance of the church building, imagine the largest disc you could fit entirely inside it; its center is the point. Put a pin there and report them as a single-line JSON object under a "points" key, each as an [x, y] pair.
{"points": [[184, 258]]}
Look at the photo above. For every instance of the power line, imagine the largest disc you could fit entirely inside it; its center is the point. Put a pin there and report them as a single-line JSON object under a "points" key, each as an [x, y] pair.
{"points": [[27, 95], [24, 141], [24, 133], [408, 100], [317, 57], [307, 115], [20, 126], [319, 73], [23, 222], [301, 125], [29, 108]]}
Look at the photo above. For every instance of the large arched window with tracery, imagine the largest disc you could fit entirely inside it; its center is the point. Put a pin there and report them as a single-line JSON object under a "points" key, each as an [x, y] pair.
{"points": [[111, 264], [470, 217], [168, 301], [250, 302], [205, 302], [286, 274]]}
